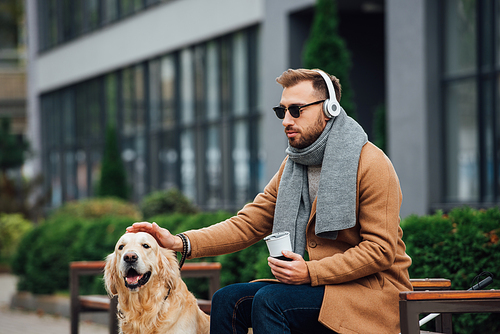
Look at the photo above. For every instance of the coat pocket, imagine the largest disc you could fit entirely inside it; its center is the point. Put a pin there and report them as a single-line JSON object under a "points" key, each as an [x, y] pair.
{"points": [[374, 282]]}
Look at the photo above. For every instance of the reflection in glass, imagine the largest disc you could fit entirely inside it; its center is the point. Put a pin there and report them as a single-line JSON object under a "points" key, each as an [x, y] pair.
{"points": [[213, 168], [240, 74], [462, 163], [241, 161], [168, 91], [187, 87], [460, 40], [213, 84], [55, 179], [188, 164]]}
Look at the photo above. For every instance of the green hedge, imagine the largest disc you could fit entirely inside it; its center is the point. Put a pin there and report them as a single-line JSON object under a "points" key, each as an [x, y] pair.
{"points": [[43, 256], [458, 246], [12, 228]]}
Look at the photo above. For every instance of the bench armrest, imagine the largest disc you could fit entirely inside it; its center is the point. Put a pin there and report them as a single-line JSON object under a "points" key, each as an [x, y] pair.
{"points": [[420, 284]]}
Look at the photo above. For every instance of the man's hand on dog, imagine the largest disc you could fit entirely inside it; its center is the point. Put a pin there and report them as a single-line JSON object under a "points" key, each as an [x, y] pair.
{"points": [[163, 236]]}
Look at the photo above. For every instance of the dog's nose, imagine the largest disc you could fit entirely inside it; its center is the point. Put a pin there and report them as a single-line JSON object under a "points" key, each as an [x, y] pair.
{"points": [[130, 257]]}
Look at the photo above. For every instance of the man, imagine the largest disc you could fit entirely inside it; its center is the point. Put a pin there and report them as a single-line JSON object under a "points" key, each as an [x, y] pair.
{"points": [[339, 197]]}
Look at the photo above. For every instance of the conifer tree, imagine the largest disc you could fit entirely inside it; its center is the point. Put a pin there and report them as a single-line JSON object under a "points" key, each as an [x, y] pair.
{"points": [[326, 50], [113, 181], [12, 150]]}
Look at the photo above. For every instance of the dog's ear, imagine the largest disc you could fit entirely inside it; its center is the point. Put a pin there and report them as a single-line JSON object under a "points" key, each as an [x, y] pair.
{"points": [[111, 275], [169, 267]]}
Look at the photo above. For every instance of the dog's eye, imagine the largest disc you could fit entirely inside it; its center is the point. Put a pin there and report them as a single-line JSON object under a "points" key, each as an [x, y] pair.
{"points": [[120, 247], [146, 246]]}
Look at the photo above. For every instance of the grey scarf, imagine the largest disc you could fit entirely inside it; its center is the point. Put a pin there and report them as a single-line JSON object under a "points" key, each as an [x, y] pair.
{"points": [[337, 149]]}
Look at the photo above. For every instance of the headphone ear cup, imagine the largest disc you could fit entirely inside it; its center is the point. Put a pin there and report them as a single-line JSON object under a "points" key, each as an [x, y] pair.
{"points": [[333, 108], [326, 110]]}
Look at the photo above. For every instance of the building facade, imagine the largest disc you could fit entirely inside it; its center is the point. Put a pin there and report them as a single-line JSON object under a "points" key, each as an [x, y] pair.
{"points": [[189, 84]]}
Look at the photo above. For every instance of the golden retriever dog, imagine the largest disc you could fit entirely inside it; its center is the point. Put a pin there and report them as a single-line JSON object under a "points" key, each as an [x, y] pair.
{"points": [[152, 298]]}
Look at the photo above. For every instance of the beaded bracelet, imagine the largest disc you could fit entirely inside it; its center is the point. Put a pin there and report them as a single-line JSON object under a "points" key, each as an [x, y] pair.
{"points": [[184, 249]]}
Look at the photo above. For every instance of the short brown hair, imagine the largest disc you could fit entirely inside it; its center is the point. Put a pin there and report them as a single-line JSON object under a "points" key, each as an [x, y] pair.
{"points": [[292, 77]]}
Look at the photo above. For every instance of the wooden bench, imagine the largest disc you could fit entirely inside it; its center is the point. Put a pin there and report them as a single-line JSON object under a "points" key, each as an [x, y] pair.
{"points": [[413, 303], [103, 303]]}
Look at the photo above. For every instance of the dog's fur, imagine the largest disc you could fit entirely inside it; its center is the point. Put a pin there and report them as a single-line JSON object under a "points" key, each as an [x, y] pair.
{"points": [[160, 304]]}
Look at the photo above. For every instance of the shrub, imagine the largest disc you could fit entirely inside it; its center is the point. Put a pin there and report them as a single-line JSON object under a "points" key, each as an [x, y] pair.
{"points": [[166, 202], [457, 246], [113, 180], [12, 228], [98, 207], [41, 261], [326, 49], [43, 256]]}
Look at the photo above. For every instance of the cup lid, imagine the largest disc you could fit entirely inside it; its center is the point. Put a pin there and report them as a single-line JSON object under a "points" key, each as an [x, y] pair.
{"points": [[277, 235]]}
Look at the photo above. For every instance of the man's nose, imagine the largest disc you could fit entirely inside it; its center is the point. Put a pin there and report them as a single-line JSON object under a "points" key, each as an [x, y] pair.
{"points": [[288, 119]]}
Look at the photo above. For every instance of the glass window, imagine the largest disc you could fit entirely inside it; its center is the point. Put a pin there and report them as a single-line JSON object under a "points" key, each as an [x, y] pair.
{"points": [[55, 179], [213, 82], [187, 87], [154, 95], [70, 176], [68, 115], [140, 186], [188, 164], [67, 20], [111, 97], [78, 17], [460, 40], [94, 105], [130, 6], [225, 75], [128, 102], [497, 25], [188, 126], [154, 121], [241, 162], [462, 169], [109, 11], [81, 173], [81, 114], [170, 161], [139, 99], [470, 98], [93, 14], [488, 132], [240, 74], [199, 82], [52, 27], [168, 85], [95, 169], [213, 167]]}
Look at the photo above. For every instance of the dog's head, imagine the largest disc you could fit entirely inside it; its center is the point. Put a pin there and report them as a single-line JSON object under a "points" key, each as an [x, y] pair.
{"points": [[139, 261]]}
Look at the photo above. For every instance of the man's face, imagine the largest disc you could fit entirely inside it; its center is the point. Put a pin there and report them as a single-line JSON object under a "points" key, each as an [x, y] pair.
{"points": [[303, 131]]}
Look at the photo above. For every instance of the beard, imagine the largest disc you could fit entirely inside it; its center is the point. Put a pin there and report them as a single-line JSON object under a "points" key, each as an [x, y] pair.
{"points": [[309, 135]]}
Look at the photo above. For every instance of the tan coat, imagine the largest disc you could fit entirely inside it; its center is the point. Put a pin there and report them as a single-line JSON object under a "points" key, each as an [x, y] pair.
{"points": [[364, 269]]}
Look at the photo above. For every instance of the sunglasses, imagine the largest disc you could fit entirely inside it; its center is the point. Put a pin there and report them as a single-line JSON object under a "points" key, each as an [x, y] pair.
{"points": [[294, 110]]}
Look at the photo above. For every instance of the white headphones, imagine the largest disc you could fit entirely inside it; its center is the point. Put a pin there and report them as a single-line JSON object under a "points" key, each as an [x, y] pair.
{"points": [[331, 106]]}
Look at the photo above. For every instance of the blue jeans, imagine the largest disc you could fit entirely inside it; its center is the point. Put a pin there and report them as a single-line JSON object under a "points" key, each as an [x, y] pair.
{"points": [[268, 308]]}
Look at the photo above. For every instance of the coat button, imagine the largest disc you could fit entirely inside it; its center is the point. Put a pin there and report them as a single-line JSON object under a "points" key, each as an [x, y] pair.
{"points": [[312, 244]]}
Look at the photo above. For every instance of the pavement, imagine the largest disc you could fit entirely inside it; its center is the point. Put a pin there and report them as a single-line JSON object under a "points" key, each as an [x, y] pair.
{"points": [[19, 321]]}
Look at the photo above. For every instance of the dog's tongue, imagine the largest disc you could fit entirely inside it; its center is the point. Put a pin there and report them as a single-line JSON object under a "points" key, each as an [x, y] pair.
{"points": [[133, 277]]}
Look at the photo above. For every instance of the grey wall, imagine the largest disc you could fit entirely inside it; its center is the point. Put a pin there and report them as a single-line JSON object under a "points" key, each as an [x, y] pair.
{"points": [[407, 102]]}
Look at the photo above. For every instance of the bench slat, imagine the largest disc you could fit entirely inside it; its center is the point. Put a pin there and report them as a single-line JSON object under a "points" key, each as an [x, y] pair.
{"points": [[452, 294], [430, 283], [95, 302]]}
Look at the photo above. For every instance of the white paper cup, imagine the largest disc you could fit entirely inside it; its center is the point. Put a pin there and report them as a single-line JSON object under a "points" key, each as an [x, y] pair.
{"points": [[278, 242]]}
